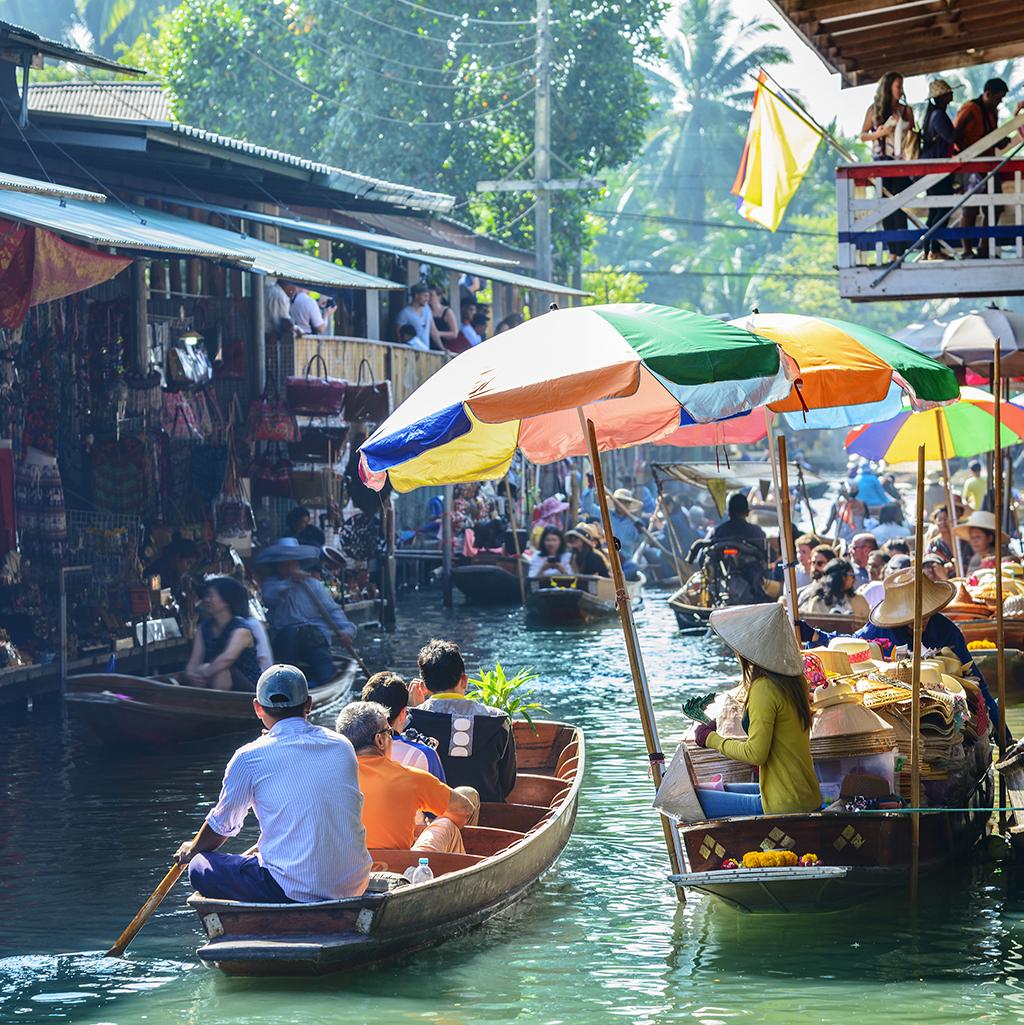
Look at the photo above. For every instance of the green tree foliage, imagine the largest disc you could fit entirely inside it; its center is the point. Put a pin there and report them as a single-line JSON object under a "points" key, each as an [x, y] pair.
{"points": [[609, 285], [435, 95]]}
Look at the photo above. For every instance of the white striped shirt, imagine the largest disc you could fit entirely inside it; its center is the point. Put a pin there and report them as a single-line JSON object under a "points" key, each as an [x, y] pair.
{"points": [[302, 781]]}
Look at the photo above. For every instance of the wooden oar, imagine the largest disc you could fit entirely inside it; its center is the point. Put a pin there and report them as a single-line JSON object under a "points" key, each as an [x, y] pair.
{"points": [[144, 914]]}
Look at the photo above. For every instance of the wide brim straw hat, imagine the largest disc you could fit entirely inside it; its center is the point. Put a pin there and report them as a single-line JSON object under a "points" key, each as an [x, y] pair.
{"points": [[845, 719], [586, 532], [287, 549], [858, 652], [762, 634], [625, 497], [980, 519], [897, 605], [939, 87]]}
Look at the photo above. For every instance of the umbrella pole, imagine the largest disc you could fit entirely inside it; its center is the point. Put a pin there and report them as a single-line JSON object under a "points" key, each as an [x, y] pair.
{"points": [[915, 704], [958, 556], [636, 663], [997, 465], [807, 498], [786, 534], [788, 580], [515, 541]]}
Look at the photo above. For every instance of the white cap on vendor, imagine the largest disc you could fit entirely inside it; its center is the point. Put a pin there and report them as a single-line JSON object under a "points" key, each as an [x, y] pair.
{"points": [[282, 686], [762, 634]]}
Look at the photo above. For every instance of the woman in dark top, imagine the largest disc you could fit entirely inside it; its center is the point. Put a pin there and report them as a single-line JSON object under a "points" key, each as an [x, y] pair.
{"points": [[444, 317], [587, 557], [224, 651], [937, 144]]}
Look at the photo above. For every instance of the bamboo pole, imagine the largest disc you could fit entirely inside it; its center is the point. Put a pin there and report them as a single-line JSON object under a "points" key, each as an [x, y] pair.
{"points": [[958, 556], [636, 663], [915, 704], [515, 542], [997, 465], [807, 498], [786, 534]]}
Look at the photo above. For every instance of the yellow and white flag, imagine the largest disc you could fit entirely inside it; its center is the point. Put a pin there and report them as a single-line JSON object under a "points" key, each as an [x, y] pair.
{"points": [[779, 149]]}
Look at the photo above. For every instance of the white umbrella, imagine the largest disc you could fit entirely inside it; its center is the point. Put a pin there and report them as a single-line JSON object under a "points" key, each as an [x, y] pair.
{"points": [[925, 338], [971, 340]]}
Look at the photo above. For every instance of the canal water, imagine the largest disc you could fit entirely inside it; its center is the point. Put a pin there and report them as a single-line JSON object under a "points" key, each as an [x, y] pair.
{"points": [[85, 834]]}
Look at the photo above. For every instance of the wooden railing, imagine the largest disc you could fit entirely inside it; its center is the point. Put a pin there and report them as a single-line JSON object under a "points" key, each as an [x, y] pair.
{"points": [[867, 244], [406, 368]]}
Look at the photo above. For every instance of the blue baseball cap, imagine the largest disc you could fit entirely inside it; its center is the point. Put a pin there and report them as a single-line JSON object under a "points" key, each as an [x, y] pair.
{"points": [[282, 686]]}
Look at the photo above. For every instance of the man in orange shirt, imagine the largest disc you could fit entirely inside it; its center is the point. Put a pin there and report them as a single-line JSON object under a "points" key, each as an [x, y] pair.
{"points": [[393, 794]]}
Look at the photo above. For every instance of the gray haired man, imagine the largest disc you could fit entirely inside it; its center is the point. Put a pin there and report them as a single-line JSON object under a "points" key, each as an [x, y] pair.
{"points": [[395, 794]]}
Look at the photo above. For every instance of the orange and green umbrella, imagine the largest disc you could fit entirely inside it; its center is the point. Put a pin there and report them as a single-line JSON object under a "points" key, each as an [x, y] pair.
{"points": [[967, 429]]}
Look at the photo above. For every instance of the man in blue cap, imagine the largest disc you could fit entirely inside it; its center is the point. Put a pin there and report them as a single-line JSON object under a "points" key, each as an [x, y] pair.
{"points": [[302, 781]]}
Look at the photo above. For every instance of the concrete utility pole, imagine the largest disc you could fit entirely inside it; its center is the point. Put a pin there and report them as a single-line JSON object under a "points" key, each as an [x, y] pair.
{"points": [[542, 142]]}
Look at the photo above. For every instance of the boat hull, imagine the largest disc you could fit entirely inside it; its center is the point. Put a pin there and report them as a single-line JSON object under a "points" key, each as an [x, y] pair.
{"points": [[137, 710], [863, 856], [591, 600], [483, 584], [316, 939]]}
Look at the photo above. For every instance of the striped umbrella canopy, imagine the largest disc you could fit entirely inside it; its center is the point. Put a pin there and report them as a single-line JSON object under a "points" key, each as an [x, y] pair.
{"points": [[967, 427], [849, 374], [638, 371]]}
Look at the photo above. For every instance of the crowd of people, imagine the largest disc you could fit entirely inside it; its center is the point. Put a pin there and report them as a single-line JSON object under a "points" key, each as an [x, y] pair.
{"points": [[890, 126], [405, 768]]}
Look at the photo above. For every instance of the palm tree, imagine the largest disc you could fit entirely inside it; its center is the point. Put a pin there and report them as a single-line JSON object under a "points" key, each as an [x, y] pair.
{"points": [[973, 79], [704, 89]]}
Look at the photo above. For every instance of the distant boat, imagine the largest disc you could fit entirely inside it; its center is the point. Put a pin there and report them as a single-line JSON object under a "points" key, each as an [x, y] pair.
{"points": [[489, 579], [560, 600]]}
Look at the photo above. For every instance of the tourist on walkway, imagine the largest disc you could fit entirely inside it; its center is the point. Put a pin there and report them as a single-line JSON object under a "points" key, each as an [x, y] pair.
{"points": [[307, 314], [302, 781], [937, 135], [418, 316], [394, 794]]}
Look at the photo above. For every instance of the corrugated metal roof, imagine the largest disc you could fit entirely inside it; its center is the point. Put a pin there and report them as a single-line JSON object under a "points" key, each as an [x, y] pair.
{"points": [[14, 37], [368, 240], [114, 225], [15, 183], [511, 277], [334, 177], [127, 101]]}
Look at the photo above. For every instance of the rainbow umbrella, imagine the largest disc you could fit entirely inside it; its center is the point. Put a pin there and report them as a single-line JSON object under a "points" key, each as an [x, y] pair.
{"points": [[849, 374], [636, 370], [967, 429]]}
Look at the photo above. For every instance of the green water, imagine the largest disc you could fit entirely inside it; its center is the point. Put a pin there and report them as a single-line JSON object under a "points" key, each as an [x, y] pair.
{"points": [[85, 834]]}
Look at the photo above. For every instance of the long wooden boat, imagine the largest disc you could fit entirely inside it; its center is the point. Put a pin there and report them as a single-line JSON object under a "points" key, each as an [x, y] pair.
{"points": [[514, 844], [123, 709], [489, 580], [562, 600], [863, 855]]}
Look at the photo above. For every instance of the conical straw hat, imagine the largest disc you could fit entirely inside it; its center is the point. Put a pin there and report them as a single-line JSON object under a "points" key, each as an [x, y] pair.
{"points": [[762, 634], [897, 605], [846, 719]]}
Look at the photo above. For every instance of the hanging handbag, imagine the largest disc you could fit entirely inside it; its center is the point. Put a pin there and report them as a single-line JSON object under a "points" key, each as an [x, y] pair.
{"points": [[233, 521], [145, 396], [368, 402], [318, 444], [317, 489], [313, 395], [271, 479], [177, 417], [270, 419], [188, 365]]}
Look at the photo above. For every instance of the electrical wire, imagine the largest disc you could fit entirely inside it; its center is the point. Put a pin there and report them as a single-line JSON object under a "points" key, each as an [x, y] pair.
{"points": [[666, 219], [14, 121], [450, 123], [466, 19]]}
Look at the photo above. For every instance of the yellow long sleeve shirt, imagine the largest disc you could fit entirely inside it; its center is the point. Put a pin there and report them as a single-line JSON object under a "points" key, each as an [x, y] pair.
{"points": [[778, 743]]}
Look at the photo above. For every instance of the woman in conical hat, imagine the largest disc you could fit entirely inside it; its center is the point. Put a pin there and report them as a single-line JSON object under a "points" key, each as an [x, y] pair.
{"points": [[891, 624], [777, 717]]}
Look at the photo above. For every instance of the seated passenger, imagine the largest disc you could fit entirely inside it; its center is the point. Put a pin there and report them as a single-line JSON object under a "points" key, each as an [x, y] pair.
{"points": [[834, 593], [393, 794], [587, 558], [303, 783], [224, 651], [475, 741], [409, 748], [777, 718], [552, 556]]}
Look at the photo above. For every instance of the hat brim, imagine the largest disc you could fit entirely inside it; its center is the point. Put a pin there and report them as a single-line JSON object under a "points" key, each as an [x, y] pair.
{"points": [[878, 617], [581, 537], [279, 553]]}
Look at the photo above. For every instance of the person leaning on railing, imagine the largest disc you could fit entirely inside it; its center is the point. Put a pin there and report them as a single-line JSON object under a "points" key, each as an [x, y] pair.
{"points": [[937, 144]]}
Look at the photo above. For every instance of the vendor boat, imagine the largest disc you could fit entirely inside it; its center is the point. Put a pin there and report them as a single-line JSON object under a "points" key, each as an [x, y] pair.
{"points": [[124, 709], [489, 579], [514, 844], [561, 600]]}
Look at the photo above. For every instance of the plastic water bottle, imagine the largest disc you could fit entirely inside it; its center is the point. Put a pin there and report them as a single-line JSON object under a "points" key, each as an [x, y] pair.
{"points": [[422, 873]]}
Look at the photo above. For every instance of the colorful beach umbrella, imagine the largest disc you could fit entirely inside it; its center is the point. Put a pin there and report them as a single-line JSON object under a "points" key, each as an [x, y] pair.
{"points": [[638, 371], [967, 426], [746, 429], [849, 374]]}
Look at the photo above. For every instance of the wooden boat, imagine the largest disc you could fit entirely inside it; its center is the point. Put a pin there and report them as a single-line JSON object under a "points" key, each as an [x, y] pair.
{"points": [[139, 710], [690, 618], [489, 580], [558, 600], [514, 844], [862, 855], [985, 630], [987, 661]]}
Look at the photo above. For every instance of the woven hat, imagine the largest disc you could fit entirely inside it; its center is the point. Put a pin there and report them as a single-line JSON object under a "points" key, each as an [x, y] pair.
{"points": [[857, 651], [586, 532], [839, 711], [981, 519], [625, 498], [939, 87], [287, 549], [835, 693], [762, 634], [897, 605]]}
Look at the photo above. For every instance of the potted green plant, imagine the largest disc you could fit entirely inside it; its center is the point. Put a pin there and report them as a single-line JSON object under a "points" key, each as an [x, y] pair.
{"points": [[493, 687]]}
